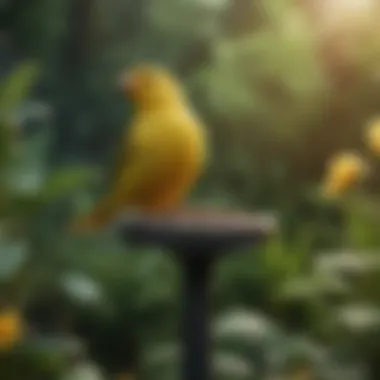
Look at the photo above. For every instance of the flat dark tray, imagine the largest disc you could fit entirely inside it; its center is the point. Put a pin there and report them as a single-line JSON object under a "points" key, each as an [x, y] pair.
{"points": [[196, 229]]}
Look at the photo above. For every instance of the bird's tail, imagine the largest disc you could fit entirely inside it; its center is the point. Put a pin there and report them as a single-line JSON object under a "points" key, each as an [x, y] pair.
{"points": [[96, 220]]}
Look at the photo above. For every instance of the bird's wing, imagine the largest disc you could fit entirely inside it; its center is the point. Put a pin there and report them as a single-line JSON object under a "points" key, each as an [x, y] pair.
{"points": [[130, 166], [128, 170], [125, 153]]}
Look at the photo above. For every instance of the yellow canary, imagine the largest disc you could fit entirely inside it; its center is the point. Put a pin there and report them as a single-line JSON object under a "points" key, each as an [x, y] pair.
{"points": [[372, 136], [343, 171], [164, 149], [10, 329]]}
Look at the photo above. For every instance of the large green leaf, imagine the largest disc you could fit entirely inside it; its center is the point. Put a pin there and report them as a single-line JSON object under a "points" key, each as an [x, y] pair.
{"points": [[16, 87]]}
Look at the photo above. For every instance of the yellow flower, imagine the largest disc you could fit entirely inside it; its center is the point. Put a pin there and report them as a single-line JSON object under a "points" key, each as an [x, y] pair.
{"points": [[10, 329], [343, 171], [303, 372], [372, 136], [125, 376]]}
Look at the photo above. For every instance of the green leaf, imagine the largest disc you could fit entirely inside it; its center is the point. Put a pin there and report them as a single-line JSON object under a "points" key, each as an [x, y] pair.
{"points": [[84, 371], [26, 181], [245, 325], [16, 87], [229, 365], [66, 180], [12, 258], [82, 288]]}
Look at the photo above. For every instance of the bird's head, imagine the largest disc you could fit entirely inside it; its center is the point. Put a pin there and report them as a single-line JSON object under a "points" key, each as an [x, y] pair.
{"points": [[150, 86]]}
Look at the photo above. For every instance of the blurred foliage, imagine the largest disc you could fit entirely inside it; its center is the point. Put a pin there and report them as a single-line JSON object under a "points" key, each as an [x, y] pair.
{"points": [[280, 88]]}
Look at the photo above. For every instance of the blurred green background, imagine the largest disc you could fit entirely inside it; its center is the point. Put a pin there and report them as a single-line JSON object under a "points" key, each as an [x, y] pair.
{"points": [[281, 85]]}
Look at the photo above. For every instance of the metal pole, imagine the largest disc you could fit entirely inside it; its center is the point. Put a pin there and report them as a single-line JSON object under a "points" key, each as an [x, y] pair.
{"points": [[196, 274]]}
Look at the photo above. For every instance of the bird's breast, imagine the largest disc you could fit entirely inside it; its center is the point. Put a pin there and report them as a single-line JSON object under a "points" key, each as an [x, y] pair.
{"points": [[173, 149]]}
